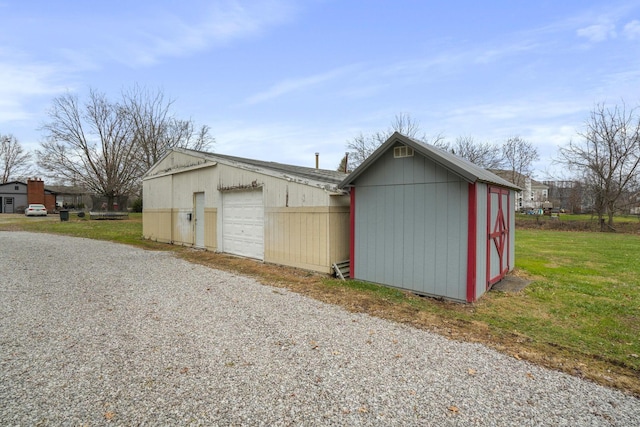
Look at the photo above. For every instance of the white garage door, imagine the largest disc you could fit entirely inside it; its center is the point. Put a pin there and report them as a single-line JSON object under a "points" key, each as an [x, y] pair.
{"points": [[243, 223]]}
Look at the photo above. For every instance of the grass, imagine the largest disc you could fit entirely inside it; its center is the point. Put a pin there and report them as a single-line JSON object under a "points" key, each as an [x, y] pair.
{"points": [[582, 217], [128, 231], [580, 315], [582, 222]]}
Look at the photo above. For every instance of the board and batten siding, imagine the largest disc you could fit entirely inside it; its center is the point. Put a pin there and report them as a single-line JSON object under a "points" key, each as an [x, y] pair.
{"points": [[411, 222]]}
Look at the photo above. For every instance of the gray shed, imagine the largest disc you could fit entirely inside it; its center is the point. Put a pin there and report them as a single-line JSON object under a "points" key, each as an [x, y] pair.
{"points": [[428, 221]]}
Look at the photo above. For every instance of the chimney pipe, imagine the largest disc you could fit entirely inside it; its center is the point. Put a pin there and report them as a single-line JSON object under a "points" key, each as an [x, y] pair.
{"points": [[317, 160], [346, 161]]}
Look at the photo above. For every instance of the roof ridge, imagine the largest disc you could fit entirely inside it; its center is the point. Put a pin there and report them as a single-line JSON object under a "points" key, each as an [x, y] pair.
{"points": [[325, 175]]}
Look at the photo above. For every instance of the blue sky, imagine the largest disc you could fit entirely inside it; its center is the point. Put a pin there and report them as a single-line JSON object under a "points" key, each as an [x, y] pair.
{"points": [[280, 80]]}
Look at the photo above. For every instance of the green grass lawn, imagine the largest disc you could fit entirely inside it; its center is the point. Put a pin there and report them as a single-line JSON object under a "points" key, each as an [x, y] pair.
{"points": [[585, 296], [582, 309], [121, 231]]}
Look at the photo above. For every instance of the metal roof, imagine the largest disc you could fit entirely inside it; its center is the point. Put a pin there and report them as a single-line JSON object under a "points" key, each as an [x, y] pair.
{"points": [[328, 179], [326, 175], [461, 167]]}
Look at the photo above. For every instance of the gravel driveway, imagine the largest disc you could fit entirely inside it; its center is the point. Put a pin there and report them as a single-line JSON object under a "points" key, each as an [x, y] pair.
{"points": [[94, 333]]}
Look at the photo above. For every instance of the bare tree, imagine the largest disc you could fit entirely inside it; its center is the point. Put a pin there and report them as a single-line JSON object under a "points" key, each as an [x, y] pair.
{"points": [[14, 160], [363, 145], [408, 126], [483, 154], [91, 145], [518, 156], [607, 157], [107, 146], [156, 130]]}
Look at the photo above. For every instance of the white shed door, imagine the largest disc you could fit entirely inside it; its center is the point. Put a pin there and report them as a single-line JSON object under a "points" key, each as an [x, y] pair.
{"points": [[243, 223], [199, 220]]}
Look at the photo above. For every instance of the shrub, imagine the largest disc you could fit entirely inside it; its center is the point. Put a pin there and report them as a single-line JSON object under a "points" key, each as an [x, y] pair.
{"points": [[136, 206]]}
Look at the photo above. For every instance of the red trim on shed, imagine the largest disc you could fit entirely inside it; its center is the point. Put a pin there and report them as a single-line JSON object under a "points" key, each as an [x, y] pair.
{"points": [[352, 232], [509, 205], [498, 234], [471, 243]]}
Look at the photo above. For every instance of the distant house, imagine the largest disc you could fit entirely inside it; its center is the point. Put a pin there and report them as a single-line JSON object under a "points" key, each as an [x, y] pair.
{"points": [[533, 193], [73, 196], [425, 220], [277, 213], [17, 195]]}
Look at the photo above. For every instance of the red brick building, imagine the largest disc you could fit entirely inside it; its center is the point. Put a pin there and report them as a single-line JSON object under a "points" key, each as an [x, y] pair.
{"points": [[36, 193]]}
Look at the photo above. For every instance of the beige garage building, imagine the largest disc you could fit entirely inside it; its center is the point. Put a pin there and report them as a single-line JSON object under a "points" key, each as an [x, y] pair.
{"points": [[273, 212]]}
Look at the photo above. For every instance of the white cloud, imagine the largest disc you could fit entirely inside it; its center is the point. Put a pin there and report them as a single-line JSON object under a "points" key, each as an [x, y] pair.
{"points": [[20, 81], [170, 35], [598, 32], [632, 30], [494, 54], [294, 85]]}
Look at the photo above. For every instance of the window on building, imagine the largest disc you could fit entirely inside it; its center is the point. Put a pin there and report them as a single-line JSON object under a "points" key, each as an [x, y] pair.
{"points": [[402, 151], [17, 187]]}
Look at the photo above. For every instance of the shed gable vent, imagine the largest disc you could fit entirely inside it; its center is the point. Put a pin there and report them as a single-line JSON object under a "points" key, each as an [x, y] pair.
{"points": [[402, 151]]}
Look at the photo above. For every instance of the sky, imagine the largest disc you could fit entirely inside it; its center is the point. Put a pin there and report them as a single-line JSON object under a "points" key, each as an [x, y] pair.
{"points": [[280, 80]]}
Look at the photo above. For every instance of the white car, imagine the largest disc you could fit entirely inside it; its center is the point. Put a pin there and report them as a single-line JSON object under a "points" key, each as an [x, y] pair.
{"points": [[36, 210]]}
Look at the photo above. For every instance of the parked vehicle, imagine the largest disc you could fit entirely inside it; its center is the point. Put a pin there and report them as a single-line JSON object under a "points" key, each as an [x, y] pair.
{"points": [[35, 210]]}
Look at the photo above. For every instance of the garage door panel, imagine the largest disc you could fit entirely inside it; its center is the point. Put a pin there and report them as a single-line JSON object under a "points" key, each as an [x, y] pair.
{"points": [[243, 223]]}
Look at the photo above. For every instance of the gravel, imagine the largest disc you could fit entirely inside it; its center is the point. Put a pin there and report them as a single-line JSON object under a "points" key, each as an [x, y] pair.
{"points": [[94, 333]]}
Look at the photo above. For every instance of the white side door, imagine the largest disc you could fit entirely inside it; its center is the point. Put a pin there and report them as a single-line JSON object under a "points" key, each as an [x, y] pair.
{"points": [[199, 220]]}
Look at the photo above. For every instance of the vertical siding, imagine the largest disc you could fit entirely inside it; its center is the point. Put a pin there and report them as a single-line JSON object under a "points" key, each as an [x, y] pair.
{"points": [[182, 228], [278, 192], [305, 226], [512, 231], [157, 193], [211, 228], [311, 238], [411, 222], [408, 234], [422, 227], [481, 239], [156, 225], [492, 251], [156, 214], [339, 229]]}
